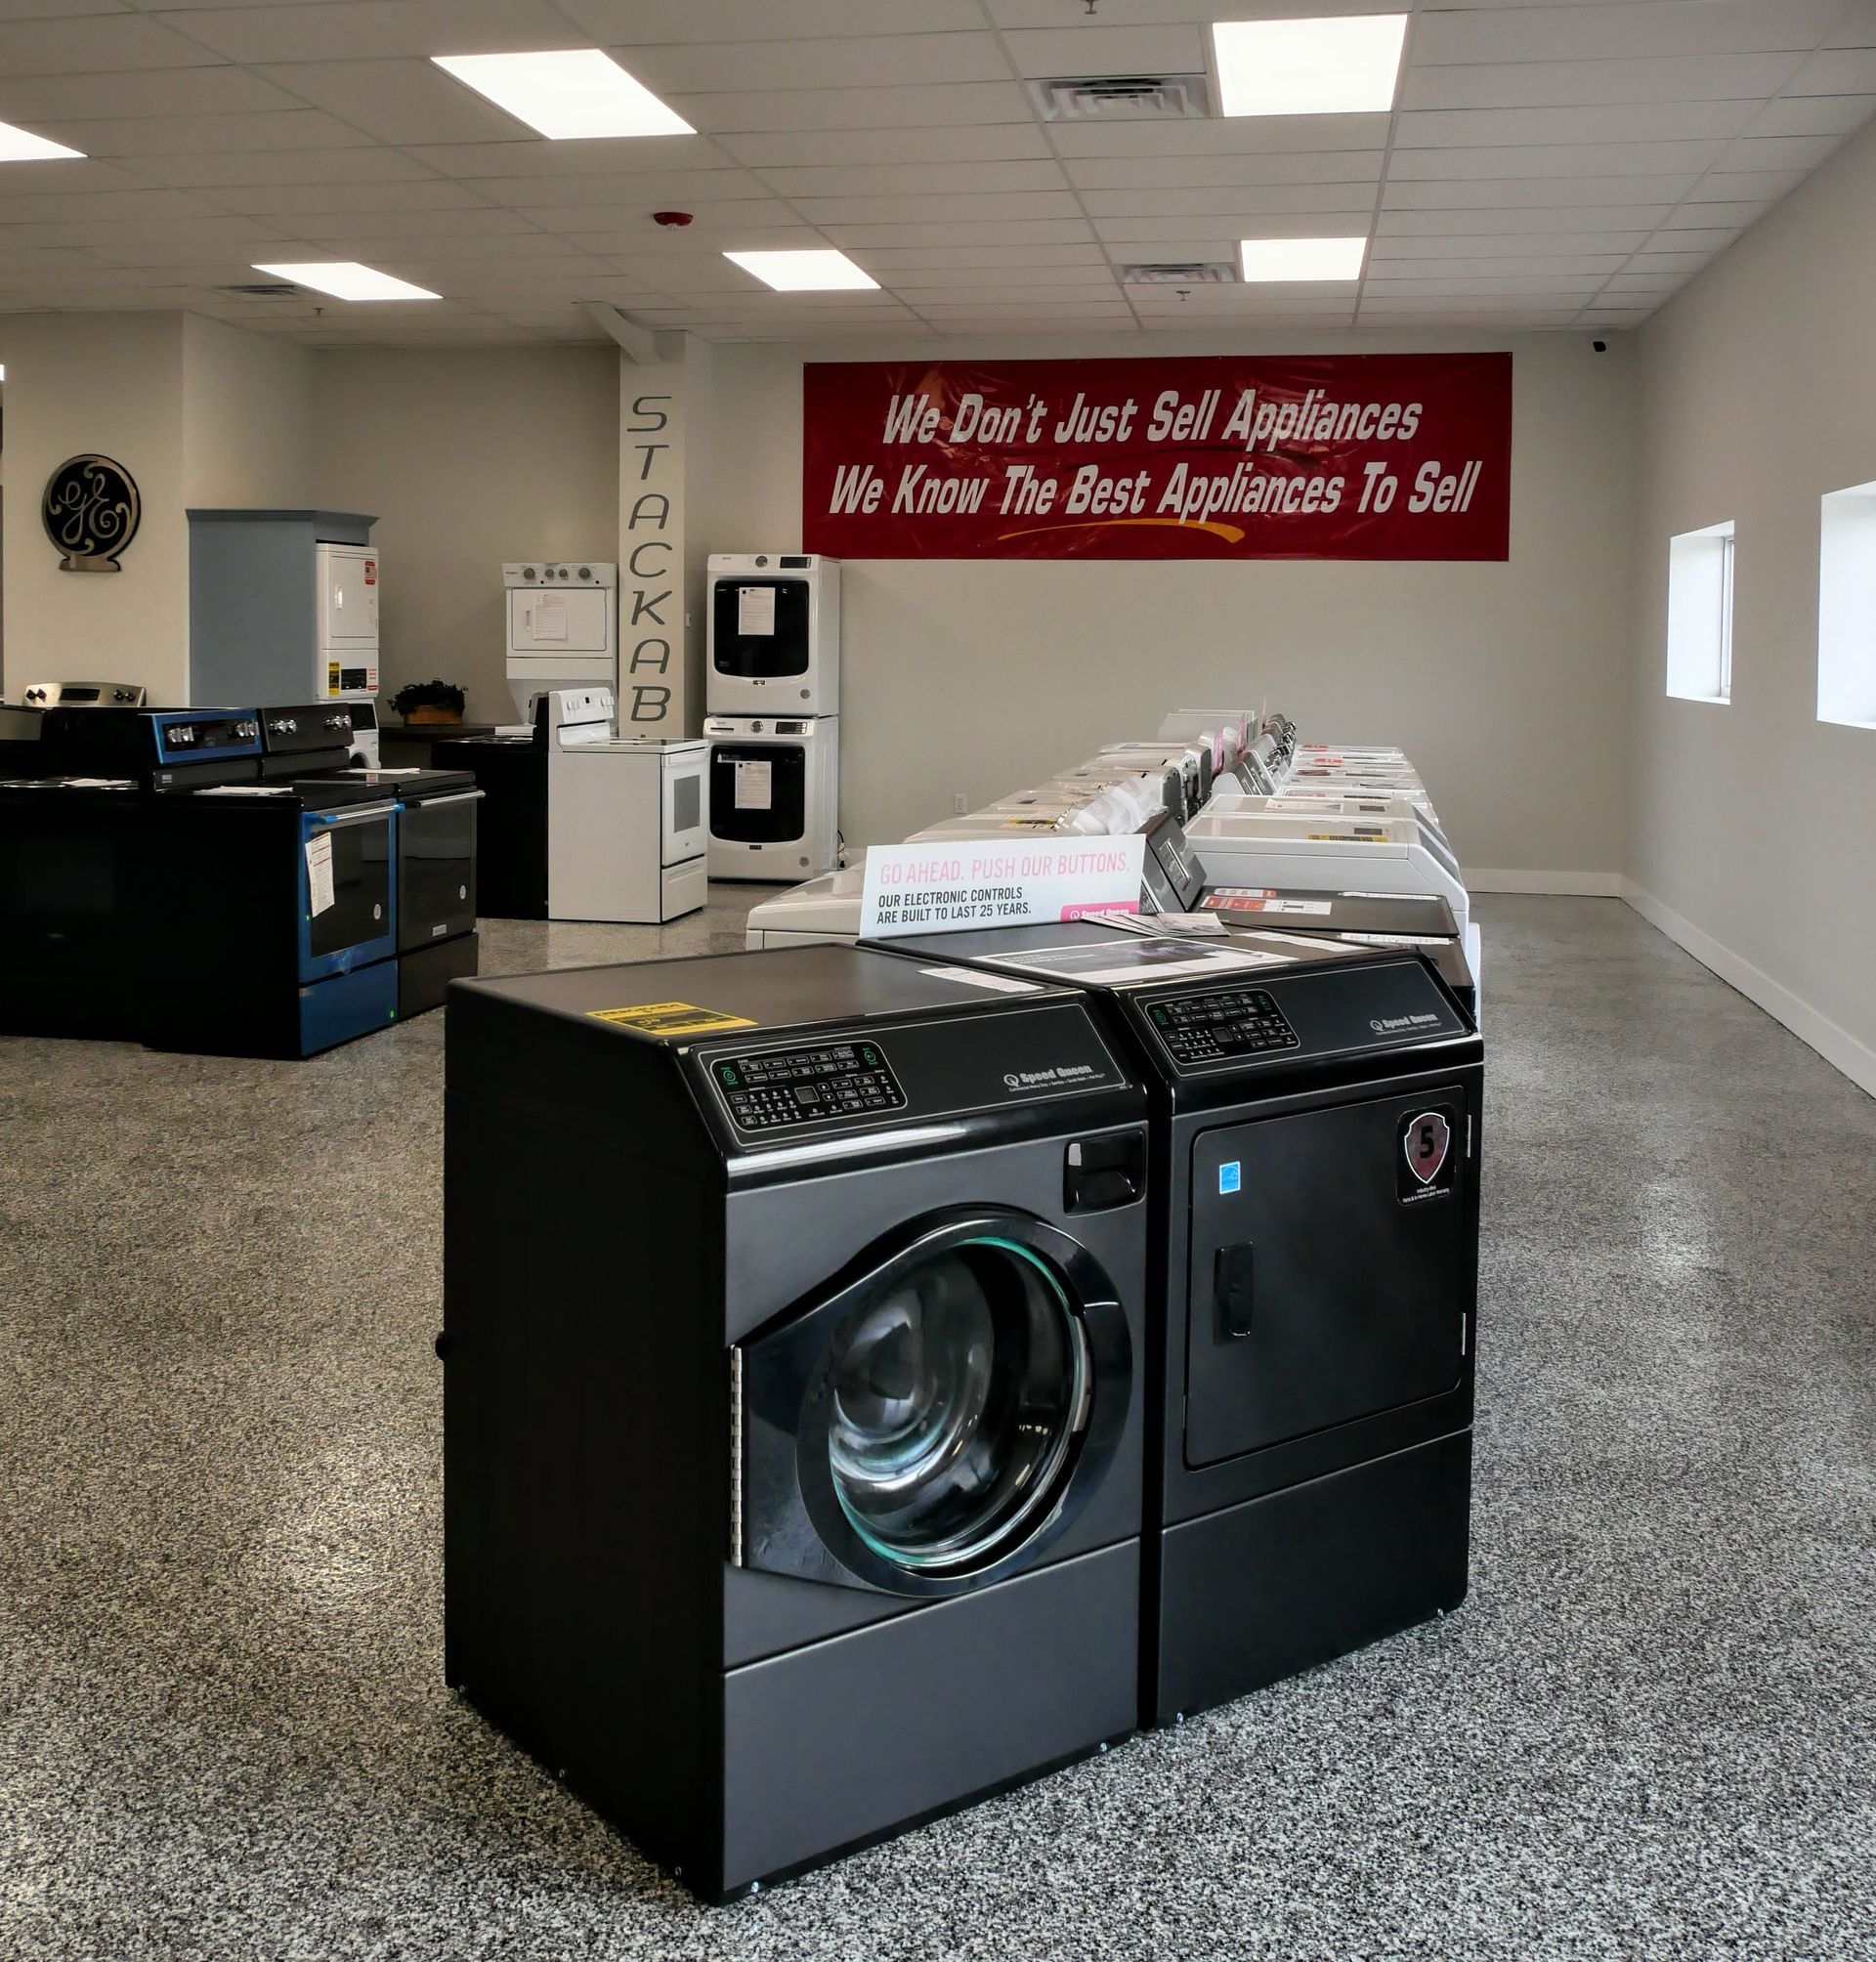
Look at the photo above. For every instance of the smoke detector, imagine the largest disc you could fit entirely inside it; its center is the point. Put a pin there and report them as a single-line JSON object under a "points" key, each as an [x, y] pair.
{"points": [[1119, 98], [1197, 273]]}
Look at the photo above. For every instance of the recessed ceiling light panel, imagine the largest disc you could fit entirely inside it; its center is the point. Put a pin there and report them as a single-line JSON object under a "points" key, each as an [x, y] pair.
{"points": [[21, 145], [1340, 66], [347, 279], [1268, 260], [569, 92], [804, 272]]}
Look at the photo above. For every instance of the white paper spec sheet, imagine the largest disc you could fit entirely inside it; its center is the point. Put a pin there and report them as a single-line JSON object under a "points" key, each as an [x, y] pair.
{"points": [[550, 616], [754, 786], [756, 610], [318, 875]]}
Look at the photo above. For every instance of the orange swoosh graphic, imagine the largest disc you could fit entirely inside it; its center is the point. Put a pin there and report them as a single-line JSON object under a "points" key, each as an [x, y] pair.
{"points": [[1231, 534]]}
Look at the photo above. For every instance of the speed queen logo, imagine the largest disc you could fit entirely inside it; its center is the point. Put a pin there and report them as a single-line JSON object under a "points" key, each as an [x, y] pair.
{"points": [[1425, 1168]]}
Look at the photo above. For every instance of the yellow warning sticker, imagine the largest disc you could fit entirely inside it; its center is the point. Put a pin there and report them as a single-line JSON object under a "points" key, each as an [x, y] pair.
{"points": [[671, 1018], [332, 677]]}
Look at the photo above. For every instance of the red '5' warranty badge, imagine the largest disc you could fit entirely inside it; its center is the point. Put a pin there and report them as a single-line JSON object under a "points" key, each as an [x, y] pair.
{"points": [[1425, 1171]]}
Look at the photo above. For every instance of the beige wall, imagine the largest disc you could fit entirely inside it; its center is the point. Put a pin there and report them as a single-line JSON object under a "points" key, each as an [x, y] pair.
{"points": [[247, 418], [111, 383], [467, 459], [1752, 825], [1501, 680]]}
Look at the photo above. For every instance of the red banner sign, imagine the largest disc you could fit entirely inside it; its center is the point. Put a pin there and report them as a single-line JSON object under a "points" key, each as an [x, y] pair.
{"points": [[1315, 456]]}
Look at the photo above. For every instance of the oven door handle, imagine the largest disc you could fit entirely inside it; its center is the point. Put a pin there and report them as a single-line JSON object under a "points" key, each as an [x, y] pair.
{"points": [[455, 797], [363, 814]]}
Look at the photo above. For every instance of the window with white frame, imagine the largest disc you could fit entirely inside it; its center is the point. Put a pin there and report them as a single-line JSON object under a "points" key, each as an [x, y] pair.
{"points": [[1700, 614], [1847, 608]]}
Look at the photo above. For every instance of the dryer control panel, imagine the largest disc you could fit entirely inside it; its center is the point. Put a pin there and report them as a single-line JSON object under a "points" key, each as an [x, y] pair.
{"points": [[772, 1089], [1208, 1028]]}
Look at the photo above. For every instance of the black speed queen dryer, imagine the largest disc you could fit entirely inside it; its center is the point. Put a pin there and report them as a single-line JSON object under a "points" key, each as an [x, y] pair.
{"points": [[1315, 1261], [792, 1413]]}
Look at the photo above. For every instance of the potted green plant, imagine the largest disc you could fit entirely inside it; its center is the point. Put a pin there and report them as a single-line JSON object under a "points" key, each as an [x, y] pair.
{"points": [[429, 702]]}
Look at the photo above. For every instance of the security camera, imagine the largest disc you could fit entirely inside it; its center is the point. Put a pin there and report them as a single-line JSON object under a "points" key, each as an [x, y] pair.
{"points": [[1601, 347]]}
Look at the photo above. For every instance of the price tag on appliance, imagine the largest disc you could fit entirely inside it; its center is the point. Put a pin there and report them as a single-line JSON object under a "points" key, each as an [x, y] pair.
{"points": [[947, 886], [756, 610], [318, 875], [754, 786]]}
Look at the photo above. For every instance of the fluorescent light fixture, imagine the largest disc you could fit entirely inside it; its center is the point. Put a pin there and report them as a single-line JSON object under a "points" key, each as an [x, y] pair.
{"points": [[1308, 67], [569, 92], [1277, 259], [19, 145], [804, 272], [347, 279]]}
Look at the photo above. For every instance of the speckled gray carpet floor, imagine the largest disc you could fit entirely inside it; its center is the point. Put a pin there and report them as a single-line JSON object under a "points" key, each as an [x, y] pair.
{"points": [[1650, 1733]]}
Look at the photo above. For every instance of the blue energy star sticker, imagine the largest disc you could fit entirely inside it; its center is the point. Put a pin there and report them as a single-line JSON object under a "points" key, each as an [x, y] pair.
{"points": [[1230, 1177]]}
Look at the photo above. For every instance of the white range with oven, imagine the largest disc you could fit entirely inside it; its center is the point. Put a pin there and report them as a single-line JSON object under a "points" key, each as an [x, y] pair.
{"points": [[625, 816]]}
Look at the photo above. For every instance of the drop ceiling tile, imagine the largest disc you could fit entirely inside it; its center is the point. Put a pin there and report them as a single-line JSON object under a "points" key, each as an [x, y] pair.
{"points": [[1535, 84], [775, 148], [623, 22], [1519, 244], [934, 209], [910, 179], [1140, 240], [949, 106], [1690, 238], [1658, 284], [1621, 32], [855, 61], [487, 228], [1219, 135], [982, 258], [1092, 47], [128, 138], [65, 176], [163, 92], [1667, 262], [578, 158], [1333, 166], [1812, 115], [1846, 72], [970, 293], [105, 204], [1579, 268], [1546, 293], [1619, 122], [1727, 183], [1064, 280], [952, 231], [373, 165], [1555, 160], [303, 200], [365, 30], [116, 43], [1700, 217], [400, 102], [1801, 153], [697, 192], [1233, 205], [1435, 195], [759, 231], [1509, 218]]}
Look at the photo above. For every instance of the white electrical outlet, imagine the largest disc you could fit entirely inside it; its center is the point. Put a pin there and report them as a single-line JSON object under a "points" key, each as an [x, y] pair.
{"points": [[960, 803]]}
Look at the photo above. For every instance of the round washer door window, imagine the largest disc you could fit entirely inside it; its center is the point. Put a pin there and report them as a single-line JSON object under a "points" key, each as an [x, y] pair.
{"points": [[957, 1392]]}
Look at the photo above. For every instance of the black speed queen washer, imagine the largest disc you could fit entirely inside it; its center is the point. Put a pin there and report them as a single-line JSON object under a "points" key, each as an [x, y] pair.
{"points": [[792, 1417], [1315, 1257]]}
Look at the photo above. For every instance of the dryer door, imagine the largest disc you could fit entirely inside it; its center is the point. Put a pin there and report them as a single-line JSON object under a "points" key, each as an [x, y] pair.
{"points": [[939, 1414], [758, 793]]}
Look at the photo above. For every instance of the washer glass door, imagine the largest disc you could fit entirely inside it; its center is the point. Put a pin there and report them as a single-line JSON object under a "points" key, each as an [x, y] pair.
{"points": [[956, 1390], [937, 1417]]}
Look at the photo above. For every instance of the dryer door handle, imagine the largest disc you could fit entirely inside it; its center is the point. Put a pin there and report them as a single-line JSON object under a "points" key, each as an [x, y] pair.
{"points": [[1234, 1287]]}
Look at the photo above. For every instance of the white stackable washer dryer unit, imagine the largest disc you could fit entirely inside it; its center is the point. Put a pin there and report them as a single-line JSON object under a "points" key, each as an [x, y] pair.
{"points": [[624, 816], [771, 696], [563, 627]]}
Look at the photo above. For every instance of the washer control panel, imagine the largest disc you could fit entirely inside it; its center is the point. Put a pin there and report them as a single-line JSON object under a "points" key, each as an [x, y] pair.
{"points": [[774, 1090], [1220, 1027]]}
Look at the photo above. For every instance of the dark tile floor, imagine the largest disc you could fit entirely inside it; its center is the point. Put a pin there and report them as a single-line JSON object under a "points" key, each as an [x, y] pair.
{"points": [[1650, 1733]]}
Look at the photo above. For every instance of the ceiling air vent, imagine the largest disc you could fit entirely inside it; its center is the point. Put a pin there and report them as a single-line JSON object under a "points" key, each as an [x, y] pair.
{"points": [[1200, 272], [264, 289], [1119, 98]]}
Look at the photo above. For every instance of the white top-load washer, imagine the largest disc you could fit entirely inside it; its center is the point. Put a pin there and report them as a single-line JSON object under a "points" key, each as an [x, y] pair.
{"points": [[772, 640], [827, 908], [1395, 853], [626, 824], [563, 627]]}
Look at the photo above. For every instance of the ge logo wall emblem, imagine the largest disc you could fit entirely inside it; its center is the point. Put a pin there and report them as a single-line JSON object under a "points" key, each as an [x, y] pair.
{"points": [[91, 511], [1426, 1165]]}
